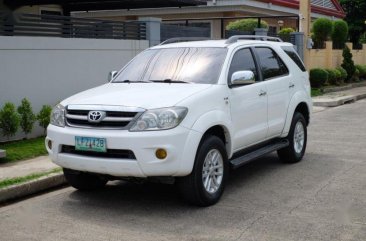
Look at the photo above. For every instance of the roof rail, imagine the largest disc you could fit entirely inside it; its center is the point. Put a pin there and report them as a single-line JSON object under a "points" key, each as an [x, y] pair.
{"points": [[183, 39], [235, 38]]}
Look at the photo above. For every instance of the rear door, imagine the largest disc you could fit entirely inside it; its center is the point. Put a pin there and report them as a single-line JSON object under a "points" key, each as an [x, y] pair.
{"points": [[278, 82]]}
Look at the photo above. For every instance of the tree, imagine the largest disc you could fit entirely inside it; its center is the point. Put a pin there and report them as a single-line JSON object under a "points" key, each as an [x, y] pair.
{"points": [[246, 25], [348, 63], [355, 17], [27, 117], [285, 33], [9, 120], [322, 29], [44, 116], [340, 34]]}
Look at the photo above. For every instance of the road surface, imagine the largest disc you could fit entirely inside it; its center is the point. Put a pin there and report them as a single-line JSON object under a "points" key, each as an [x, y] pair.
{"points": [[321, 198]]}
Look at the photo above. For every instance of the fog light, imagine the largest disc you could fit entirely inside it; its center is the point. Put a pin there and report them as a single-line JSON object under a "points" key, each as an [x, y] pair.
{"points": [[49, 144], [161, 153]]}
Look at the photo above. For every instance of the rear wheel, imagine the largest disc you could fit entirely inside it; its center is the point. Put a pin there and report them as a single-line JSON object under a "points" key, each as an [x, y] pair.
{"points": [[205, 185], [83, 180], [297, 138]]}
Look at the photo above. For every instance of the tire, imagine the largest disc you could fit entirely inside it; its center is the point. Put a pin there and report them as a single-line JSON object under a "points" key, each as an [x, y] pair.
{"points": [[199, 188], [297, 138], [84, 181]]}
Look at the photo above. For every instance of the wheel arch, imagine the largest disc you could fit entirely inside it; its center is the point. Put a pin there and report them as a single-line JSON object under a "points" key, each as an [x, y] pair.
{"points": [[218, 123], [214, 122], [304, 110], [221, 132], [300, 102]]}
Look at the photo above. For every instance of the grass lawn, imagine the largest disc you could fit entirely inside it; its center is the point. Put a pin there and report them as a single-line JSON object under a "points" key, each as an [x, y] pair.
{"points": [[316, 92], [17, 180], [24, 149]]}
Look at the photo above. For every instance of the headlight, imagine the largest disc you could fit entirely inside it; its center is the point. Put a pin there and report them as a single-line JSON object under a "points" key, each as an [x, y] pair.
{"points": [[58, 116], [160, 119]]}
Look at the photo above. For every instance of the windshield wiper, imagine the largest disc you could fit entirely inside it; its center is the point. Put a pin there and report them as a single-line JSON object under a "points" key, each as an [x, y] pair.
{"points": [[169, 81], [129, 81]]}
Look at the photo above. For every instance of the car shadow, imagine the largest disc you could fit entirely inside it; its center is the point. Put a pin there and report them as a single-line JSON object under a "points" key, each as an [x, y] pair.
{"points": [[126, 199]]}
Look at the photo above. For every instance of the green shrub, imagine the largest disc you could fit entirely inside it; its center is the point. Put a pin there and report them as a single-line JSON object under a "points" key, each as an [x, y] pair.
{"points": [[27, 117], [44, 116], [285, 33], [9, 120], [356, 76], [362, 70], [343, 75], [363, 38], [322, 29], [338, 80], [340, 34], [348, 63], [332, 76], [318, 77], [246, 25]]}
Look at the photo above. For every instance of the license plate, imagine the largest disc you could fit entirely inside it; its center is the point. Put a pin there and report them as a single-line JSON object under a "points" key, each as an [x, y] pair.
{"points": [[90, 144]]}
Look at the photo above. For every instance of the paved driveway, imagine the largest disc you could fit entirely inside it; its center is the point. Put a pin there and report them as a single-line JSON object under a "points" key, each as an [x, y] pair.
{"points": [[321, 198]]}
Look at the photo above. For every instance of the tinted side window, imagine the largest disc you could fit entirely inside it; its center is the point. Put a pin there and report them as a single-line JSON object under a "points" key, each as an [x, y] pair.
{"points": [[243, 60], [290, 51], [271, 64]]}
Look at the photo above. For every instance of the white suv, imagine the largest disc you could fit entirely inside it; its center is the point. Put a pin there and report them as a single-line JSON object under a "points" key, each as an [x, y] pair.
{"points": [[189, 111]]}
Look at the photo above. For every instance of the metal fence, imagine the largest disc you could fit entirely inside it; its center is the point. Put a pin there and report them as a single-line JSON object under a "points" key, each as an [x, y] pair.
{"points": [[22, 24], [229, 33], [168, 31], [284, 37]]}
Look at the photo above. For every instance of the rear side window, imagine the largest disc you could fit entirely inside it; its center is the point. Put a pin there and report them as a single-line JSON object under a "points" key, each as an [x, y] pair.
{"points": [[290, 51], [271, 64]]}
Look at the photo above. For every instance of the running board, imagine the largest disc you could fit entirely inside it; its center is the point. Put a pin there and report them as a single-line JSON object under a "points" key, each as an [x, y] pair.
{"points": [[251, 156]]}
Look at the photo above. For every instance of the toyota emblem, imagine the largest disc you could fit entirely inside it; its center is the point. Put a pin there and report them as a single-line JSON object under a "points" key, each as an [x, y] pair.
{"points": [[96, 116]]}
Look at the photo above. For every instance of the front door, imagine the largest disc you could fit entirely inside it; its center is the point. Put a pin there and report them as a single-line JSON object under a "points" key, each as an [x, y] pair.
{"points": [[248, 103]]}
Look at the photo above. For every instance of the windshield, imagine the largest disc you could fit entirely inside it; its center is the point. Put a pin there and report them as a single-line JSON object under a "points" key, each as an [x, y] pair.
{"points": [[192, 65]]}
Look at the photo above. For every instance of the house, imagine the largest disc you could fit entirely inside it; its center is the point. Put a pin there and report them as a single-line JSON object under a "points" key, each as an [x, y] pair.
{"points": [[65, 7], [216, 14], [212, 14]]}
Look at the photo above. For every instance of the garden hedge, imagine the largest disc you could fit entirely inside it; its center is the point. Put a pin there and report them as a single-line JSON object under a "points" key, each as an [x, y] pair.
{"points": [[318, 77]]}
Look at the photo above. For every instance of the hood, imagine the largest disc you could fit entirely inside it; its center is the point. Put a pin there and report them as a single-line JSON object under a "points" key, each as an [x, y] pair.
{"points": [[144, 95]]}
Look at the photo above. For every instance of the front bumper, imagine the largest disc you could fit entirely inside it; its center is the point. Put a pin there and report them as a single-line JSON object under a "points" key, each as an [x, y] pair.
{"points": [[181, 145]]}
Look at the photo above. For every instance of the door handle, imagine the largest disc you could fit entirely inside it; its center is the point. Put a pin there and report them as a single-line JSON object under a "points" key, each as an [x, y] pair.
{"points": [[262, 93], [292, 85]]}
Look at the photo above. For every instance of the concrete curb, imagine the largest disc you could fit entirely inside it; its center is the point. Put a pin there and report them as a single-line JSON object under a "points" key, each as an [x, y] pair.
{"points": [[343, 88], [333, 102], [31, 187]]}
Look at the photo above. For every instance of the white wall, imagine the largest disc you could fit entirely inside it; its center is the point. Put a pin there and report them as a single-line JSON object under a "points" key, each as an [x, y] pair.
{"points": [[47, 70]]}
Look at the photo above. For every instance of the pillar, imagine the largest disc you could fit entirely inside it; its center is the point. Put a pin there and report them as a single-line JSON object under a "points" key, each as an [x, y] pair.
{"points": [[152, 29], [305, 26]]}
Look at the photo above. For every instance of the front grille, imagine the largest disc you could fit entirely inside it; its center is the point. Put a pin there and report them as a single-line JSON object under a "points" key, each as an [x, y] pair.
{"points": [[103, 124], [115, 118], [111, 153], [77, 112]]}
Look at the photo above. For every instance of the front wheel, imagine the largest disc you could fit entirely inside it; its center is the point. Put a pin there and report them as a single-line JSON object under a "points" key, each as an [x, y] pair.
{"points": [[205, 185], [297, 138], [84, 181]]}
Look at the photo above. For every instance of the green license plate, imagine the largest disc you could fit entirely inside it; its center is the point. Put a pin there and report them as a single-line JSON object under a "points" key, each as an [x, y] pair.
{"points": [[90, 144]]}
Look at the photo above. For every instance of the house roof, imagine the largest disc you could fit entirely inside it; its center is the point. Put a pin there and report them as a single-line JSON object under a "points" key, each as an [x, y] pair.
{"points": [[90, 5], [326, 7]]}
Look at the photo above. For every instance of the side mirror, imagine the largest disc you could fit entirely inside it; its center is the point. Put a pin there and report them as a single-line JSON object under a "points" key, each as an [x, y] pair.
{"points": [[242, 78], [111, 75]]}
